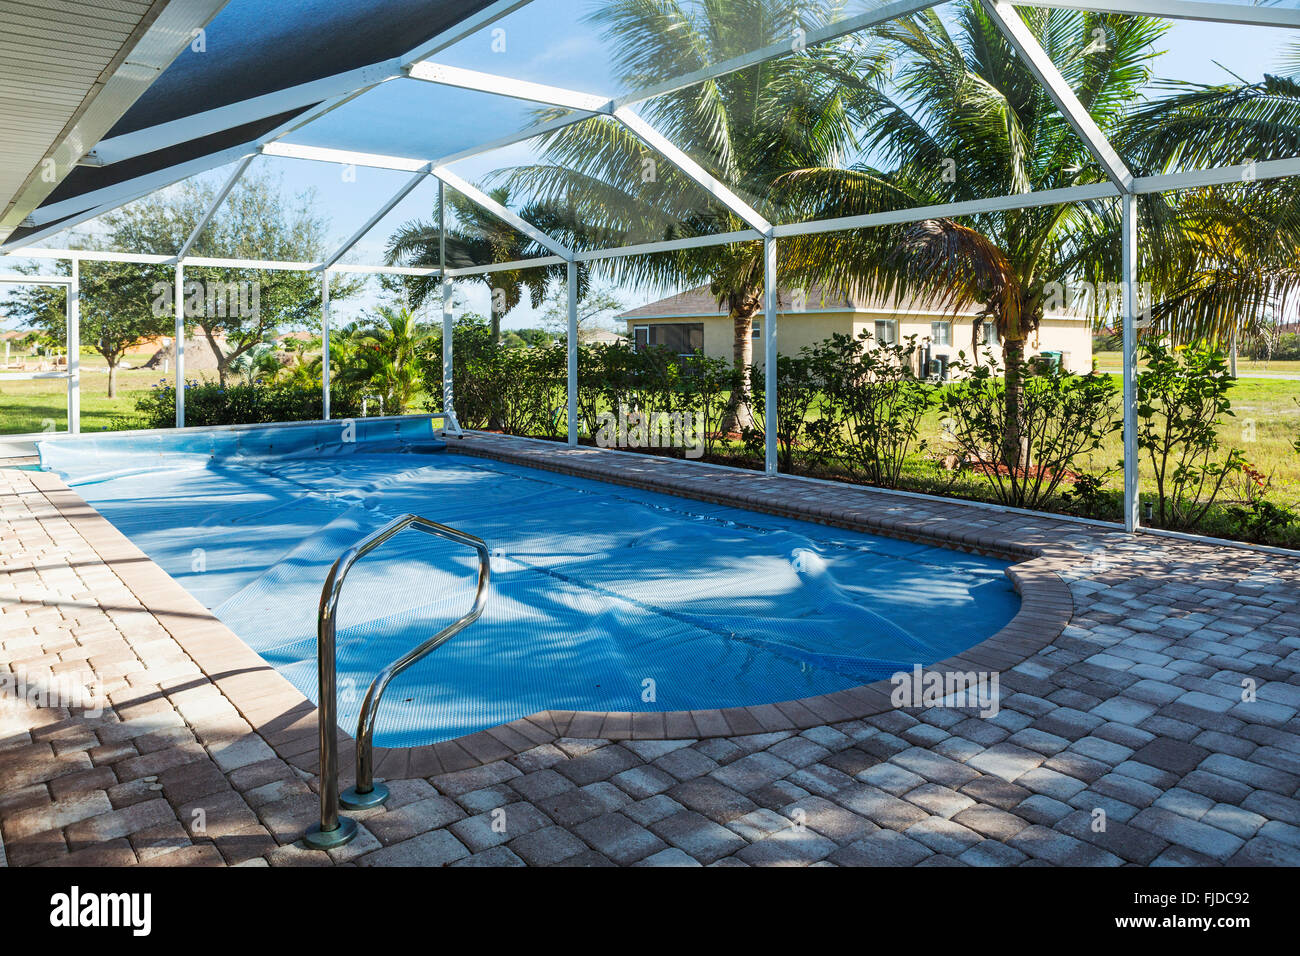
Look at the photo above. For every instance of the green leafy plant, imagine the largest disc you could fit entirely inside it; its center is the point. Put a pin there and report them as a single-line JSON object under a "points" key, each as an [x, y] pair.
{"points": [[798, 388], [1182, 396], [1063, 416], [873, 405]]}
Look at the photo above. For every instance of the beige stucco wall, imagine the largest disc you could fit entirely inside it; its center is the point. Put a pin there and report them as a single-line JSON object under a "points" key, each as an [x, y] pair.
{"points": [[795, 330]]}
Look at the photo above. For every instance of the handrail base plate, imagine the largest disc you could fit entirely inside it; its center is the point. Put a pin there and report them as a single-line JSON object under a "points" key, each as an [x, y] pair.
{"points": [[318, 839], [350, 799]]}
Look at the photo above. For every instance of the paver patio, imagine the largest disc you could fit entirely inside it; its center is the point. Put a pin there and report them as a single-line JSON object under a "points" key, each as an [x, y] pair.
{"points": [[1148, 714]]}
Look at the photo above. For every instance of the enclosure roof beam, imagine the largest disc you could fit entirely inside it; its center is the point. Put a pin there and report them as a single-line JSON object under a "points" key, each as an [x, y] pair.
{"points": [[668, 245], [213, 206], [506, 266], [78, 209], [506, 86], [477, 196], [1181, 10], [383, 211], [970, 207], [693, 170], [345, 157], [1041, 65], [1219, 176]]}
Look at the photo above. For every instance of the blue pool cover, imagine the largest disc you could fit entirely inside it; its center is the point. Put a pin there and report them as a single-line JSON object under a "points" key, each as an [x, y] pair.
{"points": [[603, 597]]}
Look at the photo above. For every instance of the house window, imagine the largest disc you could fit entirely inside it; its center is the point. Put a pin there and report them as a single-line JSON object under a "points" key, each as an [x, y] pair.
{"points": [[757, 333], [886, 332], [684, 338], [941, 333], [988, 333]]}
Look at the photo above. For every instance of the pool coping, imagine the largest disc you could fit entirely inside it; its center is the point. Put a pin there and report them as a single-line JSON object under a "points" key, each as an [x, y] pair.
{"points": [[286, 719]]}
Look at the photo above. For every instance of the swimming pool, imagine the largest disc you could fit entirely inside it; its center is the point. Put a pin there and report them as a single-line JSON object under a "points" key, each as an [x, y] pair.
{"points": [[603, 597]]}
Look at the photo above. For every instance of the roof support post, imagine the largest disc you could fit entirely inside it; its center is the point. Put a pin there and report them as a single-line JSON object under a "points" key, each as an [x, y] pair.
{"points": [[73, 326], [178, 375], [770, 436], [448, 327], [1128, 219], [571, 391], [325, 343]]}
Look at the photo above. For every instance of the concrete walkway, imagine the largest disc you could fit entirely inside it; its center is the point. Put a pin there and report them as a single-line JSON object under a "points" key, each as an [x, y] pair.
{"points": [[1148, 714]]}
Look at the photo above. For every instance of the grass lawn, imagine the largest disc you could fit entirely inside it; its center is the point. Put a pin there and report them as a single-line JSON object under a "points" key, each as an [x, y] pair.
{"points": [[42, 405], [1114, 362]]}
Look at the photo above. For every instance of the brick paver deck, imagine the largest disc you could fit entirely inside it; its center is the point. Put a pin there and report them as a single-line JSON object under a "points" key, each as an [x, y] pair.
{"points": [[1148, 714]]}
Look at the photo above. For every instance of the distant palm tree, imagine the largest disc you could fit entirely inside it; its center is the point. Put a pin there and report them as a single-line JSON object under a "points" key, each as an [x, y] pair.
{"points": [[747, 128], [476, 237], [963, 118]]}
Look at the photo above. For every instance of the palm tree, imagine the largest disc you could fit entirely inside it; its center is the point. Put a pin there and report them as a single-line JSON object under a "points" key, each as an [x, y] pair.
{"points": [[747, 128], [961, 117], [477, 238], [382, 356], [1237, 246]]}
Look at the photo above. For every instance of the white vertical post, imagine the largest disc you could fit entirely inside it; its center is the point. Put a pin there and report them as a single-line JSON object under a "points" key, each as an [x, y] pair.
{"points": [[770, 446], [325, 344], [1129, 252], [572, 399], [448, 327], [179, 375], [1232, 356], [73, 306]]}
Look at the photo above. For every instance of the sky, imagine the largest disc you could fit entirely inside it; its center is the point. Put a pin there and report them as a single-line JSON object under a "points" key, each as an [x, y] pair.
{"points": [[547, 42]]}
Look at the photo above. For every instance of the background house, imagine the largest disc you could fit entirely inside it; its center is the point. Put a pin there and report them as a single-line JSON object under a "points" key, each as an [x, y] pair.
{"points": [[693, 320]]}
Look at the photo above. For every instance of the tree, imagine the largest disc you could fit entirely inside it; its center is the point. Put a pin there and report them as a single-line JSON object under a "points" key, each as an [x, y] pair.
{"points": [[747, 128], [962, 117], [383, 355], [235, 309], [115, 311], [594, 310], [1226, 259]]}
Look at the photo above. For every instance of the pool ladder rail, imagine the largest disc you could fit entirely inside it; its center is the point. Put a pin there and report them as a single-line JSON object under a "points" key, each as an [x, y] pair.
{"points": [[334, 830]]}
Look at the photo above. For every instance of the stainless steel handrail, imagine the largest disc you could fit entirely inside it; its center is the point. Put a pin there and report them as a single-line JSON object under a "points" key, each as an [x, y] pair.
{"points": [[333, 829]]}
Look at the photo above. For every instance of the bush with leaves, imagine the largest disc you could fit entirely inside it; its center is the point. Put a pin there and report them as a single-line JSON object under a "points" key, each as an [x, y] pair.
{"points": [[1063, 416], [873, 405], [1182, 397], [705, 386], [240, 403], [798, 387], [477, 371]]}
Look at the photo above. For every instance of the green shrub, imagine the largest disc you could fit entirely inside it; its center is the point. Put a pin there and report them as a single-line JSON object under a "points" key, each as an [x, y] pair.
{"points": [[244, 403], [1182, 396], [1063, 417]]}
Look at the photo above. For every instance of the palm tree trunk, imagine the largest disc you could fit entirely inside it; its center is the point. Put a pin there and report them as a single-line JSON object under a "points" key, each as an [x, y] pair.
{"points": [[1013, 450], [739, 414]]}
